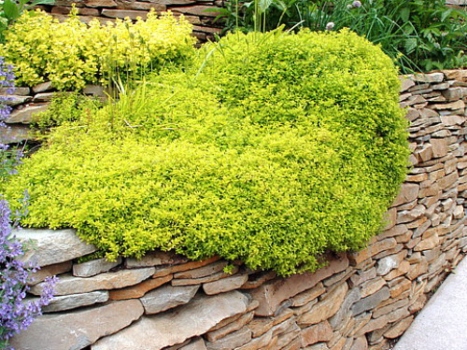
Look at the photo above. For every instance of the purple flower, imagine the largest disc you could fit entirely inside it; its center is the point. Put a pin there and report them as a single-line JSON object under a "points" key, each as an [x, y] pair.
{"points": [[356, 4], [16, 314]]}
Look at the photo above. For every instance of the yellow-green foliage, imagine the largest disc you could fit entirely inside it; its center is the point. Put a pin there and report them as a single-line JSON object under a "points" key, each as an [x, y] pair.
{"points": [[274, 149], [71, 54]]}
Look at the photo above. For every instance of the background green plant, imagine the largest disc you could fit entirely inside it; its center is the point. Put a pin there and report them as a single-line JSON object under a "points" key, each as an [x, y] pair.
{"points": [[419, 35], [243, 155], [11, 10], [96, 53]]}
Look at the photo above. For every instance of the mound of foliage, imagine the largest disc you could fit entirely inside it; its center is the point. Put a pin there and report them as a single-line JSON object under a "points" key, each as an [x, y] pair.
{"points": [[72, 54], [272, 148]]}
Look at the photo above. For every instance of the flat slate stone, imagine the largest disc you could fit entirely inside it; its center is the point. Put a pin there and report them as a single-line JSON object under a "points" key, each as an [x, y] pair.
{"points": [[68, 302], [48, 271], [52, 246], [26, 114], [271, 294], [111, 280], [225, 284], [174, 327], [167, 297], [94, 267], [78, 329]]}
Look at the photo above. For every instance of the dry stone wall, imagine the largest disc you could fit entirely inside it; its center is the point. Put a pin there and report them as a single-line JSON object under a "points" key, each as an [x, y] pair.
{"points": [[361, 300], [201, 13]]}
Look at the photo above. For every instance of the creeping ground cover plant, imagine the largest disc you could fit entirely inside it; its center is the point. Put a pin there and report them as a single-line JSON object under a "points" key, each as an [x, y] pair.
{"points": [[95, 53], [271, 148]]}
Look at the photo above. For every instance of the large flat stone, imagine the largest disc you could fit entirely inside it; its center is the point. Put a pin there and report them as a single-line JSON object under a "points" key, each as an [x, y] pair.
{"points": [[270, 295], [326, 308], [73, 301], [48, 271], [94, 267], [321, 332], [52, 246], [111, 280], [371, 301], [78, 329], [225, 284], [14, 133], [140, 289], [202, 271], [167, 297], [174, 327], [25, 115]]}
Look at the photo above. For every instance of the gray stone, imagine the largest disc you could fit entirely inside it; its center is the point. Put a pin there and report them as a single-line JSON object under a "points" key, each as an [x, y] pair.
{"points": [[94, 267], [78, 329], [25, 115], [371, 301], [387, 264], [47, 247], [14, 100], [352, 297], [111, 280], [405, 216], [167, 297], [406, 83], [14, 134], [201, 272], [68, 302], [231, 341], [42, 87], [225, 284], [44, 97], [429, 78], [48, 271], [455, 93], [94, 90], [174, 327], [452, 106]]}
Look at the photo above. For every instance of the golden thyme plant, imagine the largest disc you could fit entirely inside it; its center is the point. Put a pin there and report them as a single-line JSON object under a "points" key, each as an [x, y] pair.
{"points": [[71, 54], [272, 148]]}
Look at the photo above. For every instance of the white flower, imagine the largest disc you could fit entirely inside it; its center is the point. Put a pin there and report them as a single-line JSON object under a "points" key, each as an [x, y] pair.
{"points": [[356, 4], [330, 26]]}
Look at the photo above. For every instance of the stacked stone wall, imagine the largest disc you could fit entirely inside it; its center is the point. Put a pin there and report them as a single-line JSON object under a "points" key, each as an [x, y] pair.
{"points": [[361, 300], [201, 13]]}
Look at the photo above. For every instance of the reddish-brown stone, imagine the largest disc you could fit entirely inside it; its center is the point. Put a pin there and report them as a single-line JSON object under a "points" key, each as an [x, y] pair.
{"points": [[138, 290], [326, 308], [163, 271], [270, 295], [399, 328], [321, 332]]}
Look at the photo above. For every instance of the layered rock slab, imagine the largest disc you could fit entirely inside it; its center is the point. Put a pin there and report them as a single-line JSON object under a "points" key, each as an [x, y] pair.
{"points": [[176, 326], [79, 329]]}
